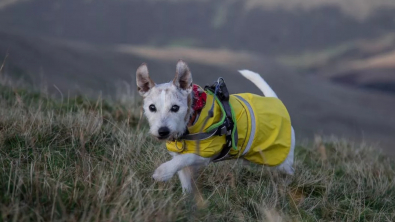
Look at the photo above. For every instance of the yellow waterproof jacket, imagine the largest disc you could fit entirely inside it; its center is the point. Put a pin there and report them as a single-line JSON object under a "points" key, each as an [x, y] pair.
{"points": [[263, 129]]}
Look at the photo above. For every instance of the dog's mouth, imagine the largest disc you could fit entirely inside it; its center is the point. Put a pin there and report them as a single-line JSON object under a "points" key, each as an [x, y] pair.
{"points": [[163, 137], [168, 137]]}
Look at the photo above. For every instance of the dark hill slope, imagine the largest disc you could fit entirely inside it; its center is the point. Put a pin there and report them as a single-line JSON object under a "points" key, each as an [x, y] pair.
{"points": [[215, 24]]}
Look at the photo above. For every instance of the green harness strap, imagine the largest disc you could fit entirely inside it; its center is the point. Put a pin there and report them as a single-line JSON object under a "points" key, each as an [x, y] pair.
{"points": [[226, 126]]}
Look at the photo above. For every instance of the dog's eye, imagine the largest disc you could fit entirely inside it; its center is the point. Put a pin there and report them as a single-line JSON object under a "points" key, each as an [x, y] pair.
{"points": [[152, 108], [174, 108]]}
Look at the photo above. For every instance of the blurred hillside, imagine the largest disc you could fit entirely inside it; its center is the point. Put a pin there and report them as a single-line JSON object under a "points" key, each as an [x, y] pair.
{"points": [[269, 27], [303, 48], [303, 30]]}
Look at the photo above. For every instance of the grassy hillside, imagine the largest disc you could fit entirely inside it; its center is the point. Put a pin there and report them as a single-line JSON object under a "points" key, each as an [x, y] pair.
{"points": [[89, 160]]}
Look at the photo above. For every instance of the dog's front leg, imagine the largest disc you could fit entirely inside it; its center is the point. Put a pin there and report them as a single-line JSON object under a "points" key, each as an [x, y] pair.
{"points": [[167, 170], [186, 177]]}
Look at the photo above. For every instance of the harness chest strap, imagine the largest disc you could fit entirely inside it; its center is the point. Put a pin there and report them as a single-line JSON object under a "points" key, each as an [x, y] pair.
{"points": [[227, 126], [231, 135], [223, 131]]}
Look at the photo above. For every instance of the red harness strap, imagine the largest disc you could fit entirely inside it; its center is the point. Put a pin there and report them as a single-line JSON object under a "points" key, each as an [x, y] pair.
{"points": [[199, 98], [198, 102]]}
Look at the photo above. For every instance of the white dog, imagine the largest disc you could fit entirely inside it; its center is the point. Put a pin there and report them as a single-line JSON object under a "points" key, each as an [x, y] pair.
{"points": [[247, 126]]}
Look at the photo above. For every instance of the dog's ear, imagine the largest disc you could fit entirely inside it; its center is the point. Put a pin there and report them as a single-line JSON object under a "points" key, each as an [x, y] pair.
{"points": [[144, 82], [183, 78]]}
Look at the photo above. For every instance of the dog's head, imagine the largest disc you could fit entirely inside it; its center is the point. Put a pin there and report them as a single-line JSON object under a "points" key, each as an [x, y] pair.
{"points": [[167, 106]]}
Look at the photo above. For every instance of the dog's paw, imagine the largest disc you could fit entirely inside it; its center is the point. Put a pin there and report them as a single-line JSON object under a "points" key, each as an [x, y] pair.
{"points": [[164, 172]]}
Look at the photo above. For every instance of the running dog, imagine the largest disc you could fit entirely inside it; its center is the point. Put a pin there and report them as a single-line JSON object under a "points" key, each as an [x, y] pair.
{"points": [[199, 127]]}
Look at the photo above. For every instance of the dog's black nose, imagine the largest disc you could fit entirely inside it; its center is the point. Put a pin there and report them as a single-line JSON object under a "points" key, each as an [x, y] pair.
{"points": [[164, 131]]}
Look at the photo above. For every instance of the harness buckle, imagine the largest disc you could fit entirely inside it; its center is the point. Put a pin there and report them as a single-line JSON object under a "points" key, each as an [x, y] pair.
{"points": [[223, 131]]}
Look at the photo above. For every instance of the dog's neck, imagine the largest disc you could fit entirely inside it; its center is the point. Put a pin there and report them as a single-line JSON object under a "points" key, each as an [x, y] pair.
{"points": [[193, 118]]}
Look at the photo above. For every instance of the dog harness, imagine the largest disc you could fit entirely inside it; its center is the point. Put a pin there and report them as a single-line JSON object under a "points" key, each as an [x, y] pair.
{"points": [[259, 129]]}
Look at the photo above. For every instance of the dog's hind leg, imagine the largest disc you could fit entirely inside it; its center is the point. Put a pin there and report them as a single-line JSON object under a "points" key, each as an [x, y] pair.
{"points": [[287, 165]]}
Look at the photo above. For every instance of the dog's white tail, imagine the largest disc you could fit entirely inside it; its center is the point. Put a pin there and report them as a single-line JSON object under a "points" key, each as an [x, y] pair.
{"points": [[259, 82]]}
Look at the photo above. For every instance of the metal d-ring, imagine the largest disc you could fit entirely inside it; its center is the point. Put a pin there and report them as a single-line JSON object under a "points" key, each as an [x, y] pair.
{"points": [[183, 146]]}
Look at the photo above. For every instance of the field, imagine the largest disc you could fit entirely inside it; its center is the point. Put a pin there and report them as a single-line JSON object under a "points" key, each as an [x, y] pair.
{"points": [[77, 159]]}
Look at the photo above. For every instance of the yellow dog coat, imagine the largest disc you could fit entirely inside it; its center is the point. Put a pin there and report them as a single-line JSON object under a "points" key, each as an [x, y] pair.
{"points": [[263, 129]]}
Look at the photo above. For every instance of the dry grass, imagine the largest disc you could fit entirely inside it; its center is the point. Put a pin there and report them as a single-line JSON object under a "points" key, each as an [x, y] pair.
{"points": [[82, 160]]}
